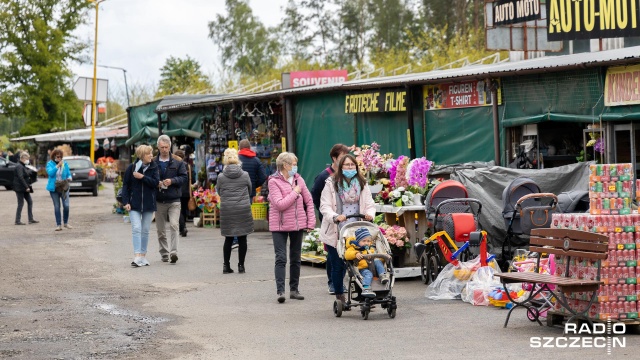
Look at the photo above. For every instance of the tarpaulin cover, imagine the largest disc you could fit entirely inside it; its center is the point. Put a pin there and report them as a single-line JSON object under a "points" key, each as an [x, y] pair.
{"points": [[142, 116], [534, 119], [621, 113], [487, 185], [459, 135]]}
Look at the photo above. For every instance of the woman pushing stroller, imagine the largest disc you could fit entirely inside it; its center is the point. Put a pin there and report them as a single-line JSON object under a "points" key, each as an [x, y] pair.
{"points": [[356, 249], [345, 193]]}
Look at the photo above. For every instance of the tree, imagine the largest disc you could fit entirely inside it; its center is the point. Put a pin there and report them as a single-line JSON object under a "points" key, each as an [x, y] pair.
{"points": [[247, 46], [36, 46], [180, 76], [294, 36], [321, 19], [354, 30]]}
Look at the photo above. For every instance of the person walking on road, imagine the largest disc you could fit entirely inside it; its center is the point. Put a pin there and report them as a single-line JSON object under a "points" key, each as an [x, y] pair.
{"points": [[23, 189], [184, 199], [254, 167], [345, 193], [58, 170], [236, 221], [139, 199], [336, 153], [290, 214], [172, 175]]}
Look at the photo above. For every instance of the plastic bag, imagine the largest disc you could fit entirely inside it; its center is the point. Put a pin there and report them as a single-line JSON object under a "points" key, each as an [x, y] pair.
{"points": [[453, 279], [479, 286]]}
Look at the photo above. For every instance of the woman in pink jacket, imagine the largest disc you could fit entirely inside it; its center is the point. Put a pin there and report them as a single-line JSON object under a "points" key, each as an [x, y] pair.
{"points": [[345, 193], [290, 214]]}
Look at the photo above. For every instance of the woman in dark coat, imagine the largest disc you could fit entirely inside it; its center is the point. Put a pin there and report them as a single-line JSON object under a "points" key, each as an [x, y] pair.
{"points": [[139, 199], [234, 187], [23, 189]]}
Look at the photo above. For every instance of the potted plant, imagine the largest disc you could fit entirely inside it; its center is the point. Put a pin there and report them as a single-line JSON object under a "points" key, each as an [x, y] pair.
{"points": [[417, 178], [371, 164], [312, 245], [397, 238]]}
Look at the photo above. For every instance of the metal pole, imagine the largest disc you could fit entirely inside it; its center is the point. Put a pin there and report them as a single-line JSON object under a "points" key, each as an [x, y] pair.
{"points": [[496, 121], [126, 88], [95, 85]]}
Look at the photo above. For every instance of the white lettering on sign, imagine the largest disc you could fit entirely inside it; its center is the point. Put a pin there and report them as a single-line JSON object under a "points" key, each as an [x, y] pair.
{"points": [[317, 81], [460, 88]]}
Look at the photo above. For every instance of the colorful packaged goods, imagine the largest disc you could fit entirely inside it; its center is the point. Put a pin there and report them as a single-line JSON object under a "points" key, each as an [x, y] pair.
{"points": [[611, 189]]}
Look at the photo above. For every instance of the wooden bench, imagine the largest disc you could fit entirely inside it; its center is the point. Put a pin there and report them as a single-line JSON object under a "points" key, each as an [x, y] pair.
{"points": [[566, 243]]}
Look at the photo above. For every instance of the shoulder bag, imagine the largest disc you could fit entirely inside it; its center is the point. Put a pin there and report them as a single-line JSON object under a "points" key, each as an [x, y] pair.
{"points": [[192, 201]]}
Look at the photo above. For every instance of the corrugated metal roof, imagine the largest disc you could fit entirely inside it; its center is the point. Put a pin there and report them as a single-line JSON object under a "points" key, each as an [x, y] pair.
{"points": [[79, 135], [549, 63]]}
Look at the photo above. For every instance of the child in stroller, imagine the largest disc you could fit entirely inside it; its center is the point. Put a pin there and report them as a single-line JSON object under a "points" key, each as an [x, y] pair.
{"points": [[356, 249], [379, 293]]}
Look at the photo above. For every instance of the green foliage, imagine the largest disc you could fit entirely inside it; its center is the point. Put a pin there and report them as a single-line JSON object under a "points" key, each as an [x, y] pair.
{"points": [[36, 46], [181, 75], [247, 46]]}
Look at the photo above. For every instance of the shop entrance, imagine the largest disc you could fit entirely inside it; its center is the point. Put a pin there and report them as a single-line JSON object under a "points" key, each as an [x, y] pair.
{"points": [[626, 145]]}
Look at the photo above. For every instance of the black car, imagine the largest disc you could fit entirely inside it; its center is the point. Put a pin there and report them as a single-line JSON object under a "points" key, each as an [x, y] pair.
{"points": [[7, 171], [84, 175]]}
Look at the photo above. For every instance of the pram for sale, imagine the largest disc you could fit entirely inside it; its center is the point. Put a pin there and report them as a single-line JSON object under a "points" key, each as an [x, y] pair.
{"points": [[452, 222], [544, 300], [383, 292], [524, 208]]}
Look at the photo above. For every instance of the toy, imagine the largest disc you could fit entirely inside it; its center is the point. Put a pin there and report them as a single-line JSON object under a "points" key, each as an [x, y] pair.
{"points": [[498, 297]]}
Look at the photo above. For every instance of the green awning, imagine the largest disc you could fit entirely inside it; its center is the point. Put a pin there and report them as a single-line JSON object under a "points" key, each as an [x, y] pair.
{"points": [[183, 132], [143, 134], [534, 119]]}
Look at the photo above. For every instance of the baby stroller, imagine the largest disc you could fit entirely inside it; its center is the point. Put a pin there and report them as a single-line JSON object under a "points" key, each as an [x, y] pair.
{"points": [[452, 219], [544, 300], [524, 208], [383, 293]]}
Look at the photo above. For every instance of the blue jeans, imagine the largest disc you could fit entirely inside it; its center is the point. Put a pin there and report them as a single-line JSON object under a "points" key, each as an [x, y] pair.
{"points": [[57, 199], [140, 224], [337, 269], [368, 275]]}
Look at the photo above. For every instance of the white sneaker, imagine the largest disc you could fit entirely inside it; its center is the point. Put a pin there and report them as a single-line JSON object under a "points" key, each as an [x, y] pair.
{"points": [[384, 278], [144, 261], [137, 262]]}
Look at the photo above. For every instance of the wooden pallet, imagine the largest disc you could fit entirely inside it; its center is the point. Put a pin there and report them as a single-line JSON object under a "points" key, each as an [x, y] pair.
{"points": [[559, 318]]}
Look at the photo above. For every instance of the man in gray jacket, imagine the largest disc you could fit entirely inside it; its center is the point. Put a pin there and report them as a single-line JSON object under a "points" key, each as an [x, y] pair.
{"points": [[172, 175]]}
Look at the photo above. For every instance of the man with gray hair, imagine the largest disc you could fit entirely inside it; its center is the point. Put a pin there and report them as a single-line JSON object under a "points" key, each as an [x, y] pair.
{"points": [[172, 175]]}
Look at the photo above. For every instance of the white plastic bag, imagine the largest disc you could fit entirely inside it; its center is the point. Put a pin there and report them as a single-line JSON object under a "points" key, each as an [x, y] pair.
{"points": [[479, 286]]}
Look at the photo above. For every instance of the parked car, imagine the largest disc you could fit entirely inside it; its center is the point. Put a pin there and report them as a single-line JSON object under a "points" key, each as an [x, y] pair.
{"points": [[84, 175], [7, 171]]}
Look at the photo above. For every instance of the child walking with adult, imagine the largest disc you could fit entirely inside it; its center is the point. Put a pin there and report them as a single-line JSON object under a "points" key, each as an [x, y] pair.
{"points": [[139, 198], [234, 187], [290, 214]]}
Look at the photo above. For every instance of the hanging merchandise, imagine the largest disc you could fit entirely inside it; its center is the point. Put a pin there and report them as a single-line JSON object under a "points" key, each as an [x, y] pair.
{"points": [[106, 144], [113, 145]]}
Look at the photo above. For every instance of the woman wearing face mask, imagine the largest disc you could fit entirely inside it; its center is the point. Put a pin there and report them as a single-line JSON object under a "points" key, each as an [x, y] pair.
{"points": [[58, 169], [290, 214], [23, 189], [345, 193]]}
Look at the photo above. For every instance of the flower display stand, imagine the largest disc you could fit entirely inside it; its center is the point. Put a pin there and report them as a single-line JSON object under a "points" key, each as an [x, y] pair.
{"points": [[211, 218], [414, 220]]}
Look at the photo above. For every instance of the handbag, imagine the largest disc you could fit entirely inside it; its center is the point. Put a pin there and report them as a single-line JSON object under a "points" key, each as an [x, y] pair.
{"points": [[192, 201], [62, 186]]}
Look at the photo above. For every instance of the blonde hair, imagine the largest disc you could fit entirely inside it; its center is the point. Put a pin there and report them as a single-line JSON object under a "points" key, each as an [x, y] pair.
{"points": [[230, 157], [143, 150], [24, 155], [285, 158]]}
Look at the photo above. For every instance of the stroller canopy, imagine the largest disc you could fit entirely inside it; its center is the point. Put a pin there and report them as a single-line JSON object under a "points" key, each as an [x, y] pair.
{"points": [[448, 189], [518, 188]]}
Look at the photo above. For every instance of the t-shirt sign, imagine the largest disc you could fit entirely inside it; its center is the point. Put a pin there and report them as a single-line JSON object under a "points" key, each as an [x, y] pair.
{"points": [[375, 101], [592, 19], [515, 11], [459, 95]]}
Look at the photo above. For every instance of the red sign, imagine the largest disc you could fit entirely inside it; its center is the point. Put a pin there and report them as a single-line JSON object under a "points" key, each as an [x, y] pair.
{"points": [[317, 77]]}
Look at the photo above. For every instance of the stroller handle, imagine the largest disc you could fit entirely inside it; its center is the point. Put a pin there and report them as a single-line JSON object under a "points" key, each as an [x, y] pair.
{"points": [[359, 216], [460, 200], [554, 202]]}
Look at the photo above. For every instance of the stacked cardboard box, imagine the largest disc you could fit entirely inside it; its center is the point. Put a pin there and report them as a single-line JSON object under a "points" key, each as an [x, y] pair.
{"points": [[610, 193]]}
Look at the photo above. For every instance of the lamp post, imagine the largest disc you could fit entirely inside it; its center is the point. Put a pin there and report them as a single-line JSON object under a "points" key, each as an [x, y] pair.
{"points": [[126, 89], [95, 84]]}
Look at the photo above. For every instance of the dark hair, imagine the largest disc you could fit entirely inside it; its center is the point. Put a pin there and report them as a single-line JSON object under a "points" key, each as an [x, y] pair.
{"points": [[338, 149], [56, 152], [338, 177]]}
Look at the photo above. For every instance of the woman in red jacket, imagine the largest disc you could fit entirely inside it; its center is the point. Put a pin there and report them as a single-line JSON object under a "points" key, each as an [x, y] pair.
{"points": [[290, 214]]}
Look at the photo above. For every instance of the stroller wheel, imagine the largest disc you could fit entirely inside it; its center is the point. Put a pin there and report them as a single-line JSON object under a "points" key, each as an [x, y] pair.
{"points": [[533, 314], [424, 269], [432, 270], [365, 314], [337, 308], [391, 312]]}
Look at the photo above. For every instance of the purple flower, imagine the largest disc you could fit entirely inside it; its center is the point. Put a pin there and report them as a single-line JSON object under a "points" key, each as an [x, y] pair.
{"points": [[599, 146], [417, 174]]}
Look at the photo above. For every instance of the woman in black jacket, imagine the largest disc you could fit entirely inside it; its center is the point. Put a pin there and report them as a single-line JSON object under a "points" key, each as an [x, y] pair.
{"points": [[23, 189], [139, 198]]}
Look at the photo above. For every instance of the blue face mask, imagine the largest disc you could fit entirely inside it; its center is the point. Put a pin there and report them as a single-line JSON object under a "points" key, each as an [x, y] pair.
{"points": [[293, 171], [349, 173]]}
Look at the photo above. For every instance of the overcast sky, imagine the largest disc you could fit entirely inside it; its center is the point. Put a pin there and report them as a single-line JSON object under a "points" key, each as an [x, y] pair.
{"points": [[139, 35]]}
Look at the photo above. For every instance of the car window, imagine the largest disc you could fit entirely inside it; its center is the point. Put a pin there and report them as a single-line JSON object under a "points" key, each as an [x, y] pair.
{"points": [[2, 162], [79, 164]]}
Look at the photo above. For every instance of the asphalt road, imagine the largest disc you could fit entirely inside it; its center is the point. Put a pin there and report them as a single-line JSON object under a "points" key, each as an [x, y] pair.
{"points": [[73, 295]]}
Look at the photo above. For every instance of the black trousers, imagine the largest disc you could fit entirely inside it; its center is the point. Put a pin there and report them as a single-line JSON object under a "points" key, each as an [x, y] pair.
{"points": [[22, 196], [184, 213], [242, 249]]}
